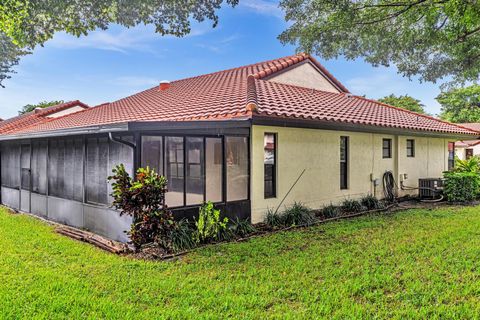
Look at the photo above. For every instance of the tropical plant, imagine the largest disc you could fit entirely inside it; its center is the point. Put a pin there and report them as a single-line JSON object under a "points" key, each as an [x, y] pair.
{"points": [[471, 164], [242, 228], [209, 224], [294, 215], [330, 211], [143, 198], [351, 205], [183, 236], [370, 202], [433, 39]]}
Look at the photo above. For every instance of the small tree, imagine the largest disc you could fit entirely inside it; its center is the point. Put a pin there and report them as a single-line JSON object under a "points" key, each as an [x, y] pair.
{"points": [[405, 102], [43, 104], [143, 198]]}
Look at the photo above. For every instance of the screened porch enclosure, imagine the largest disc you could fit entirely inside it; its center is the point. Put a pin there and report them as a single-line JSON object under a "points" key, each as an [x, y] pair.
{"points": [[199, 169], [64, 179]]}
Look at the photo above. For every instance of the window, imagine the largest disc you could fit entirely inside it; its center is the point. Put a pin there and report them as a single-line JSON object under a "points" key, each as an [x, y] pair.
{"points": [[451, 155], [195, 171], [237, 168], [410, 148], [174, 171], [152, 153], [387, 148], [468, 153], [343, 162], [214, 169], [269, 164]]}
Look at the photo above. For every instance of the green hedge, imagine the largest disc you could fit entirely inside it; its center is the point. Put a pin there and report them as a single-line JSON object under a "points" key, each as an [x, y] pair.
{"points": [[461, 186]]}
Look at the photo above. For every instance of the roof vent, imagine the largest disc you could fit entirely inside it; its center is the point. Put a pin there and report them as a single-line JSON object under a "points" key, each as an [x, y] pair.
{"points": [[164, 85], [37, 110], [349, 95]]}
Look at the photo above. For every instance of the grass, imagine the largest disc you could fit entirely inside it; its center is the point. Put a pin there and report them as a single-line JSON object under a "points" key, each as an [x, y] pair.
{"points": [[413, 264]]}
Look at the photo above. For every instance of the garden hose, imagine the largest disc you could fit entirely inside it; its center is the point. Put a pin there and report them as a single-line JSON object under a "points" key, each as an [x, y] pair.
{"points": [[389, 186]]}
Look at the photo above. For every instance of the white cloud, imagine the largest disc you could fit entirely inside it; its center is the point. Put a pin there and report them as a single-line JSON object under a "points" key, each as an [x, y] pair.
{"points": [[219, 46], [264, 7], [120, 39]]}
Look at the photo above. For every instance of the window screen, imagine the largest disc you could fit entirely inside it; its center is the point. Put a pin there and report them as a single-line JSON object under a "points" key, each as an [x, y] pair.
{"points": [[96, 189], [195, 167], [65, 168], [214, 169], [10, 158], [237, 168], [410, 148], [152, 153], [174, 171], [269, 164], [39, 167], [343, 162], [387, 148], [25, 166]]}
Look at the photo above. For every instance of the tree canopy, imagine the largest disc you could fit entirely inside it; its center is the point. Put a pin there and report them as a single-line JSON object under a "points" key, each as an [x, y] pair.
{"points": [[431, 39], [461, 105], [25, 24], [43, 104], [405, 102]]}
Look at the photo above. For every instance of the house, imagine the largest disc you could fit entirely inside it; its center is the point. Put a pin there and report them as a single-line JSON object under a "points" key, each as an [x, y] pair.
{"points": [[465, 149], [249, 138]]}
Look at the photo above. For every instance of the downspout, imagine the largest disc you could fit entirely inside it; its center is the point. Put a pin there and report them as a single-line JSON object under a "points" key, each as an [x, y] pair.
{"points": [[128, 144]]}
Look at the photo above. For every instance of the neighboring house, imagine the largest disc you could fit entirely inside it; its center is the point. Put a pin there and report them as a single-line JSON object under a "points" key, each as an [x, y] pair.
{"points": [[464, 149], [245, 138]]}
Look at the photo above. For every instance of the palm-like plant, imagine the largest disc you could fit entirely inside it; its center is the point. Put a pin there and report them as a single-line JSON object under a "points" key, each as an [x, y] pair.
{"points": [[471, 164]]}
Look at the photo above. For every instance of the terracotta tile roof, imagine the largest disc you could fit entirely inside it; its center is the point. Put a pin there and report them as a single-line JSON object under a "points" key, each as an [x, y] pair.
{"points": [[21, 122], [276, 99], [243, 93], [467, 143], [471, 126]]}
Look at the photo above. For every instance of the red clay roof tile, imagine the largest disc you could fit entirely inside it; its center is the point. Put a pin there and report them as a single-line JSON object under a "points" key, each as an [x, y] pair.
{"points": [[243, 93]]}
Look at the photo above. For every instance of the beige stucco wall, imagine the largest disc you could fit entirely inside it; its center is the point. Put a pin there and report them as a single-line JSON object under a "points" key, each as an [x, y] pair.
{"points": [[460, 152], [65, 112], [318, 152], [305, 75]]}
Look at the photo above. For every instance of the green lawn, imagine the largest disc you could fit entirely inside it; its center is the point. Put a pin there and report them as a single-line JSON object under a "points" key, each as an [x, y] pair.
{"points": [[416, 263]]}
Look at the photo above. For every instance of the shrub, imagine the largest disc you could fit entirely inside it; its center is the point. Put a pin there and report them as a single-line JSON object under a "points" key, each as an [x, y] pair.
{"points": [[330, 211], [143, 198], [471, 164], [209, 224], [183, 236], [274, 219], [350, 205], [370, 202], [294, 215], [461, 186], [242, 228], [298, 215]]}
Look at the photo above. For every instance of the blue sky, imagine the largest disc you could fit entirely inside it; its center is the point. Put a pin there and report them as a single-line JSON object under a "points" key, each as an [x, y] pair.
{"points": [[108, 65]]}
